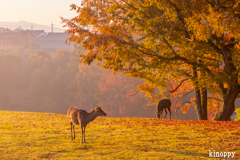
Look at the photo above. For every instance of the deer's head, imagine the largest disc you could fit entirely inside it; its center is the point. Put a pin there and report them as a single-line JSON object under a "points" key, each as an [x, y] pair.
{"points": [[98, 110], [157, 114]]}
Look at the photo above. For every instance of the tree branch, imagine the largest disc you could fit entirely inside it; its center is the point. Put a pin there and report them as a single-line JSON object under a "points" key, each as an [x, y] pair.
{"points": [[127, 95], [174, 52], [172, 91], [214, 47], [180, 18], [187, 93], [185, 103], [215, 99], [212, 5], [177, 57], [136, 9], [141, 49]]}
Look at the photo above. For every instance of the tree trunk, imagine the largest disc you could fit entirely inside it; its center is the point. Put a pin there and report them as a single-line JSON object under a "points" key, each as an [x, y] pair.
{"points": [[201, 103], [229, 97], [198, 104], [204, 103], [231, 92], [201, 97], [204, 99]]}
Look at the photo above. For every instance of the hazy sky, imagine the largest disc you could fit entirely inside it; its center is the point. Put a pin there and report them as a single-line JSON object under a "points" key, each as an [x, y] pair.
{"points": [[37, 11]]}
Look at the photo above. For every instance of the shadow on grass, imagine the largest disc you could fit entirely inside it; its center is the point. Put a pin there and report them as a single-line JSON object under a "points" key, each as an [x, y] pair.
{"points": [[83, 147], [183, 152], [52, 154], [47, 155]]}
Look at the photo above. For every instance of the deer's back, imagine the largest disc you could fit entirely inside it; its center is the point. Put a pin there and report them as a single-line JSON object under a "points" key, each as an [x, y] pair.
{"points": [[164, 103], [76, 114]]}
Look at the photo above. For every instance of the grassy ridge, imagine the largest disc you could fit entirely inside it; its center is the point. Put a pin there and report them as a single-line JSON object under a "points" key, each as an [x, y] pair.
{"points": [[26, 135]]}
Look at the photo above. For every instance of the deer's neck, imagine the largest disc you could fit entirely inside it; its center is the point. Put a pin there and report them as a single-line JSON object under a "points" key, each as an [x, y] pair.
{"points": [[91, 116]]}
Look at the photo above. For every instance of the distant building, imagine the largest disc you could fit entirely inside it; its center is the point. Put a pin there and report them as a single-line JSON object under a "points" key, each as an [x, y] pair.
{"points": [[50, 43], [34, 33], [19, 31], [19, 37], [34, 39]]}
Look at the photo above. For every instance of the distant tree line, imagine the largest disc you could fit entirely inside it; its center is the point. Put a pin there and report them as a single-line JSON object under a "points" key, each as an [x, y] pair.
{"points": [[53, 83]]}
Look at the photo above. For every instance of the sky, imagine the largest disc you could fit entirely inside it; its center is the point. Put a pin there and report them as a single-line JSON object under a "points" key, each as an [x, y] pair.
{"points": [[37, 11]]}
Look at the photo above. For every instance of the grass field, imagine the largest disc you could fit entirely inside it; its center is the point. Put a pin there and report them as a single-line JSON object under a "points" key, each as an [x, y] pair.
{"points": [[26, 135]]}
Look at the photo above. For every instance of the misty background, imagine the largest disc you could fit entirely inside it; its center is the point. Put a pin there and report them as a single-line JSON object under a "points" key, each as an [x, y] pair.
{"points": [[40, 73]]}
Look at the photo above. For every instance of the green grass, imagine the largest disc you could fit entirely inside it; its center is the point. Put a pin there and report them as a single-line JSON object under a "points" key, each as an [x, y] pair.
{"points": [[26, 135]]}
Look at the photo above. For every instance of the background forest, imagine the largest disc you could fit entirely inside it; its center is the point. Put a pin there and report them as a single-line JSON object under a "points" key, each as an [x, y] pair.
{"points": [[38, 81]]}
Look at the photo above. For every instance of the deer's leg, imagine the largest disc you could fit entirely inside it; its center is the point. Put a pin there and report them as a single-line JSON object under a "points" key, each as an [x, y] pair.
{"points": [[165, 112], [71, 129], [169, 112], [82, 132], [84, 127]]}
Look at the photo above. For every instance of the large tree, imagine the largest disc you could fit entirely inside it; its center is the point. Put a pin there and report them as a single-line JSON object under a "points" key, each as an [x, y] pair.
{"points": [[179, 40]]}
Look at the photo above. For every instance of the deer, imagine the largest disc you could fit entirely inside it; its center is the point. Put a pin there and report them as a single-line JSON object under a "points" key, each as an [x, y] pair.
{"points": [[81, 117], [164, 104]]}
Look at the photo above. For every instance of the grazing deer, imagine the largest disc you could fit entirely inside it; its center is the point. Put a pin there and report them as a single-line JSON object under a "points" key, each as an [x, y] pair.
{"points": [[81, 117], [163, 104]]}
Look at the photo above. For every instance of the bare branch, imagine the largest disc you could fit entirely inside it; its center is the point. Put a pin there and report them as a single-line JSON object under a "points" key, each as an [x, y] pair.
{"points": [[127, 95]]}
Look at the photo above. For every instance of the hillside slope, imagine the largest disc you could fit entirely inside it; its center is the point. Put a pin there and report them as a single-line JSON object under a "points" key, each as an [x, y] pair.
{"points": [[26, 135]]}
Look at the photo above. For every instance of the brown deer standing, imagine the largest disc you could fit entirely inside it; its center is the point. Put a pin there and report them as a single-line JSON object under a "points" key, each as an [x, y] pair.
{"points": [[163, 104], [81, 117]]}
